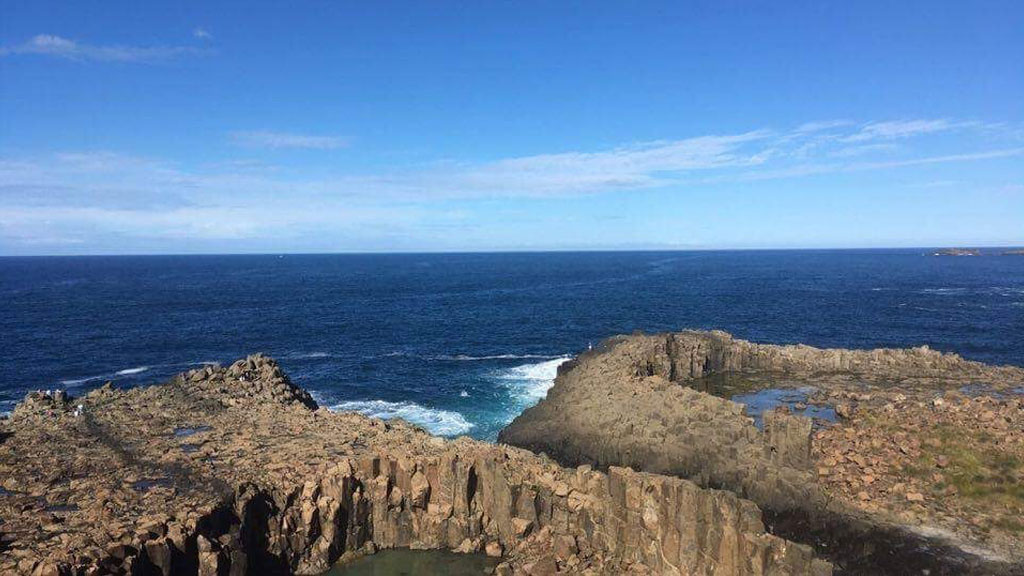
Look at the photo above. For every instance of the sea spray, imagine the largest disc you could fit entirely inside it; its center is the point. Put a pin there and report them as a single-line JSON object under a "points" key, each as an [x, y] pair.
{"points": [[529, 383], [435, 421]]}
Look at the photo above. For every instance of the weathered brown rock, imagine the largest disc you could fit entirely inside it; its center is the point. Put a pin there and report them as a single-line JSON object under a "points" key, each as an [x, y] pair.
{"points": [[634, 402], [268, 483]]}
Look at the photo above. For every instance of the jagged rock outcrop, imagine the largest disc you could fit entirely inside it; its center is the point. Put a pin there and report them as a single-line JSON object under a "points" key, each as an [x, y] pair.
{"points": [[635, 402], [236, 471]]}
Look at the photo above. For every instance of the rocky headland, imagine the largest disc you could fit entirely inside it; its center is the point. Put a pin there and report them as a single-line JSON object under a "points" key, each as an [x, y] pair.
{"points": [[958, 252], [911, 462], [234, 470]]}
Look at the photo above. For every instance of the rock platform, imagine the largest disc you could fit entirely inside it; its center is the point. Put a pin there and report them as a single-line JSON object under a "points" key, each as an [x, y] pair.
{"points": [[235, 470], [921, 472]]}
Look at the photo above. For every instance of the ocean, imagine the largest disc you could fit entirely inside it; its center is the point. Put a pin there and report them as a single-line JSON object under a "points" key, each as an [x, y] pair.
{"points": [[461, 343]]}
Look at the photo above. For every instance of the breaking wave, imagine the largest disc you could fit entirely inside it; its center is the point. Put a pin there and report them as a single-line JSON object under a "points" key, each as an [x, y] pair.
{"points": [[439, 422], [530, 383], [468, 358], [305, 356], [130, 371]]}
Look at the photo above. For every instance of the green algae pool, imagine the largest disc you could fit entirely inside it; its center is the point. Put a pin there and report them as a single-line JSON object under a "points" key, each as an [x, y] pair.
{"points": [[405, 562]]}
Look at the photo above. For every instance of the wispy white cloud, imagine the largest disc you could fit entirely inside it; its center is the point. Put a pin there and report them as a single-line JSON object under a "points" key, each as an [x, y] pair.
{"points": [[810, 127], [814, 169], [863, 149], [74, 194], [57, 46], [754, 155], [202, 33], [905, 129], [273, 140]]}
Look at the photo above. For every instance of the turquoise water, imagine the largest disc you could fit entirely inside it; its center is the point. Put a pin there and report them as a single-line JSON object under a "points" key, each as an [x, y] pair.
{"points": [[461, 343]]}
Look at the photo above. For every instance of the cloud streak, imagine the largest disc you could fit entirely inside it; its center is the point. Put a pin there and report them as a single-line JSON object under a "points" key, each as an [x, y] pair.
{"points": [[900, 129], [282, 140], [78, 194], [59, 47]]}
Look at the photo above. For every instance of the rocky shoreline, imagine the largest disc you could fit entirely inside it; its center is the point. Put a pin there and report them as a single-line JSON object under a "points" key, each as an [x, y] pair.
{"points": [[634, 463], [234, 470], [920, 471]]}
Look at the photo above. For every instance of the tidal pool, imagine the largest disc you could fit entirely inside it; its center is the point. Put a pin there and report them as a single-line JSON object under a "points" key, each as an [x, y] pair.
{"points": [[186, 431], [760, 394], [405, 562]]}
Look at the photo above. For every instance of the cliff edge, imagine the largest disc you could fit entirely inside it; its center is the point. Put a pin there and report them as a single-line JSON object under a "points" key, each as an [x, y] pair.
{"points": [[888, 460], [235, 470]]}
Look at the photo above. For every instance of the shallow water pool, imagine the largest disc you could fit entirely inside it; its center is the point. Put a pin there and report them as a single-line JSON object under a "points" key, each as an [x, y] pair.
{"points": [[405, 562], [762, 393]]}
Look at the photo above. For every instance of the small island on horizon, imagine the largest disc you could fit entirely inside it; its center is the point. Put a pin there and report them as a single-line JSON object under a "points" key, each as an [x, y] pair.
{"points": [[978, 252]]}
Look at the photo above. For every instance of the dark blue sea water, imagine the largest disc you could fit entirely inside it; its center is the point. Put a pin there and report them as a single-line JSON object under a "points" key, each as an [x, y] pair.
{"points": [[461, 343]]}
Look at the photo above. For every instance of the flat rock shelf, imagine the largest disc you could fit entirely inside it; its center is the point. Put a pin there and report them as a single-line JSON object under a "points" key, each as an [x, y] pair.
{"points": [[887, 461], [271, 483]]}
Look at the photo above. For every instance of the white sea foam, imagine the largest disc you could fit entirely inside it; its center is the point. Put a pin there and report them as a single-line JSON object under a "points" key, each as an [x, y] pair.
{"points": [[468, 358], [463, 394], [76, 382], [440, 422], [73, 382], [944, 291], [1003, 291], [531, 382], [318, 397], [130, 371]]}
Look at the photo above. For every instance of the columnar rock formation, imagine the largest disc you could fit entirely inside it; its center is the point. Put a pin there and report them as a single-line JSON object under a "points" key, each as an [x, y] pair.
{"points": [[634, 402], [692, 354], [624, 407], [236, 471]]}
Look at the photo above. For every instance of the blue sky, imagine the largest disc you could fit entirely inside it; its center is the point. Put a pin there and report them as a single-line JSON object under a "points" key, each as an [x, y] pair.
{"points": [[178, 127]]}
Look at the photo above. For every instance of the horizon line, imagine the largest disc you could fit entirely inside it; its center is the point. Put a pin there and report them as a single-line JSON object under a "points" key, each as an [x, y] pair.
{"points": [[980, 247]]}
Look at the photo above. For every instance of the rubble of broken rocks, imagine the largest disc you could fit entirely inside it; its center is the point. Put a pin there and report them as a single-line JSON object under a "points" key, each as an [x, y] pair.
{"points": [[922, 468], [952, 462], [236, 471]]}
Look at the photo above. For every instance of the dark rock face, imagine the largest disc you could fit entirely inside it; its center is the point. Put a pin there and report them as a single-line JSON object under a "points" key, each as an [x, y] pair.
{"points": [[272, 485], [629, 403]]}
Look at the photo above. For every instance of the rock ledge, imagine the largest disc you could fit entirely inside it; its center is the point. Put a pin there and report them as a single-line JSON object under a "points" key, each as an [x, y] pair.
{"points": [[237, 471]]}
